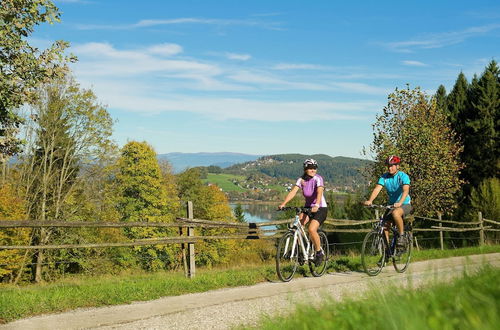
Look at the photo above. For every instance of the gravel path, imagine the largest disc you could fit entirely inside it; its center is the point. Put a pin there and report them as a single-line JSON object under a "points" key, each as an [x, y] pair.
{"points": [[226, 308]]}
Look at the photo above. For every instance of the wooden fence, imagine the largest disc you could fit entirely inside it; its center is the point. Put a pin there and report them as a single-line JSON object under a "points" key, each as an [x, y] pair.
{"points": [[187, 237]]}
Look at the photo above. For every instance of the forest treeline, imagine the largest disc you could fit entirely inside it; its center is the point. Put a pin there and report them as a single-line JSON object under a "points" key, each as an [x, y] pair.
{"points": [[68, 168], [340, 172]]}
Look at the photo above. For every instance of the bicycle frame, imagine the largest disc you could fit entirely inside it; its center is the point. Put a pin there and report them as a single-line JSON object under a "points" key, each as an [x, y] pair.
{"points": [[299, 236]]}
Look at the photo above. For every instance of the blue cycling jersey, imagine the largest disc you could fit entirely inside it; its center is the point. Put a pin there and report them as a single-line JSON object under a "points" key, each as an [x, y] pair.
{"points": [[394, 186]]}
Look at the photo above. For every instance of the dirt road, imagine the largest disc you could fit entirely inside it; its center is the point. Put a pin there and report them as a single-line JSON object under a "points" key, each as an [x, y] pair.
{"points": [[225, 308]]}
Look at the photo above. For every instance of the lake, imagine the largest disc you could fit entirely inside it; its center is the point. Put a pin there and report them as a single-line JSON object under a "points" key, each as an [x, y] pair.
{"points": [[256, 212]]}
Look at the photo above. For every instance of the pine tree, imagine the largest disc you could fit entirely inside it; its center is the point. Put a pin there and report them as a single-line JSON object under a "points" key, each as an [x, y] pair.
{"points": [[441, 98], [457, 102], [480, 134]]}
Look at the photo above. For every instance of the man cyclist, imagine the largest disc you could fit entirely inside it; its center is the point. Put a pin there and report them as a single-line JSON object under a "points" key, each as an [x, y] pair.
{"points": [[397, 185], [312, 186]]}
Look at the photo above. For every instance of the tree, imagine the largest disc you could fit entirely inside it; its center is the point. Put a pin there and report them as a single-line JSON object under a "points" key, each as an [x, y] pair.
{"points": [[12, 208], [441, 101], [480, 128], [457, 102], [67, 130], [238, 213], [22, 66], [486, 198], [143, 198], [412, 127], [209, 203]]}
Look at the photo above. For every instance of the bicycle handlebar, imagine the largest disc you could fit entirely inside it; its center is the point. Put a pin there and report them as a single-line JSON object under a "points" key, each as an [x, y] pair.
{"points": [[298, 210], [380, 206]]}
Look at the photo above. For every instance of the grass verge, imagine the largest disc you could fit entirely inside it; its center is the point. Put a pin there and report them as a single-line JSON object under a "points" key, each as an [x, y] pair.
{"points": [[82, 291], [471, 302]]}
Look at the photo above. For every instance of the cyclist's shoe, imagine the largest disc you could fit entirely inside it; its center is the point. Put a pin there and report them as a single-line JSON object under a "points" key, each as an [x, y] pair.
{"points": [[318, 258], [401, 241], [301, 260]]}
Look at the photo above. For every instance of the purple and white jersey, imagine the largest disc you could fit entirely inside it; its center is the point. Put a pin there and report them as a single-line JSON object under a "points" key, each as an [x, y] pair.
{"points": [[310, 190]]}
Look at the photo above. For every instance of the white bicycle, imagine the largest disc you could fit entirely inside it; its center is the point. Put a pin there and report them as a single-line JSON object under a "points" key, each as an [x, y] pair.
{"points": [[295, 248]]}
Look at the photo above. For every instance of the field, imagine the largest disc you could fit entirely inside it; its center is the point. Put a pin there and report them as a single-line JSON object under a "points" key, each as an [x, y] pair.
{"points": [[224, 181]]}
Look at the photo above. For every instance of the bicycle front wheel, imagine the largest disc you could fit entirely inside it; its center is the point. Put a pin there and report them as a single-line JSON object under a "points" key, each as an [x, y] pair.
{"points": [[373, 253], [287, 257], [402, 256], [320, 269]]}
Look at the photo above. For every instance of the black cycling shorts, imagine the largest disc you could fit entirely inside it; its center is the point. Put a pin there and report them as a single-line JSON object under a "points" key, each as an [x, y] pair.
{"points": [[320, 216]]}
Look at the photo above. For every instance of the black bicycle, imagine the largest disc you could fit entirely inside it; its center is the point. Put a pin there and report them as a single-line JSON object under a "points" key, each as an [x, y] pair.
{"points": [[295, 248], [377, 250]]}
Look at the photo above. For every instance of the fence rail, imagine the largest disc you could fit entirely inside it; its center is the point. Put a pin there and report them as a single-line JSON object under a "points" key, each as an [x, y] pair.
{"points": [[242, 231]]}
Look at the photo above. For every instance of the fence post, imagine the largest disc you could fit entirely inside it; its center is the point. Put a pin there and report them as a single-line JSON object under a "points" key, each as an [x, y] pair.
{"points": [[441, 241], [481, 230], [191, 268], [184, 257]]}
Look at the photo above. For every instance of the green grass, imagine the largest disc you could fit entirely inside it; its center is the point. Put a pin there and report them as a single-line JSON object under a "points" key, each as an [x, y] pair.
{"points": [[86, 291], [471, 302], [224, 181], [18, 302], [353, 262]]}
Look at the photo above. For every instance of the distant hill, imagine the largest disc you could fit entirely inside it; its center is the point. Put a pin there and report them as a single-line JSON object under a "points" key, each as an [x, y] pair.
{"points": [[337, 171], [180, 161]]}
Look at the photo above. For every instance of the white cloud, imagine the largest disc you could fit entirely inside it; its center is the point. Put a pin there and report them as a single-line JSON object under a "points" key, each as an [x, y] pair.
{"points": [[361, 88], [297, 66], [102, 59], [238, 57], [413, 63], [165, 49], [242, 109], [185, 20], [439, 40]]}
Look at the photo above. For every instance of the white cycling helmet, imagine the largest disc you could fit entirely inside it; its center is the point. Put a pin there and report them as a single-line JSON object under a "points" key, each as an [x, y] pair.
{"points": [[310, 163]]}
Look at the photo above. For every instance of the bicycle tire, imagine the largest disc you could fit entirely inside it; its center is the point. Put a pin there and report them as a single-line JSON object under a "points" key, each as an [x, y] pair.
{"points": [[319, 270], [286, 266], [373, 253], [402, 257]]}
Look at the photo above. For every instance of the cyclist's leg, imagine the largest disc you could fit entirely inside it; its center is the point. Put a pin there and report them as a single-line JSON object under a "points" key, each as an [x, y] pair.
{"points": [[313, 234], [304, 219], [317, 220], [397, 216]]}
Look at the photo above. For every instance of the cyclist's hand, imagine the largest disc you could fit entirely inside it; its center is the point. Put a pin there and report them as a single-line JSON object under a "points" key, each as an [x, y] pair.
{"points": [[281, 206], [314, 209], [397, 205], [367, 203]]}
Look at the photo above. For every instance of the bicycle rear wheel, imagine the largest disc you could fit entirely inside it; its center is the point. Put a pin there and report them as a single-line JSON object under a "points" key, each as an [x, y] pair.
{"points": [[286, 259], [401, 258], [373, 253], [320, 269]]}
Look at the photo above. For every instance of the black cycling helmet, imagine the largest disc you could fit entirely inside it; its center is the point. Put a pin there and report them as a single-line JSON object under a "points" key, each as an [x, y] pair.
{"points": [[310, 163]]}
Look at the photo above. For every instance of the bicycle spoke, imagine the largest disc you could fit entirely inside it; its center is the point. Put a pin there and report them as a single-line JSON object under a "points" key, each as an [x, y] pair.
{"points": [[286, 257], [373, 253], [402, 255], [320, 269]]}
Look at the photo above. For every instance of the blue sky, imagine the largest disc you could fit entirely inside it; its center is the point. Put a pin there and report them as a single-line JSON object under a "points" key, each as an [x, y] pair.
{"points": [[267, 77]]}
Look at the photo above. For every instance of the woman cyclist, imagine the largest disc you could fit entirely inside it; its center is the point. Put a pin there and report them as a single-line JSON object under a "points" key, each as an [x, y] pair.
{"points": [[397, 185], [312, 187]]}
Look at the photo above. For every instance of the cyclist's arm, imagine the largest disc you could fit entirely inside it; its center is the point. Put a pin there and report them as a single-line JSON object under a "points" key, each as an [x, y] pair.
{"points": [[319, 197], [374, 194], [406, 191], [290, 196]]}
